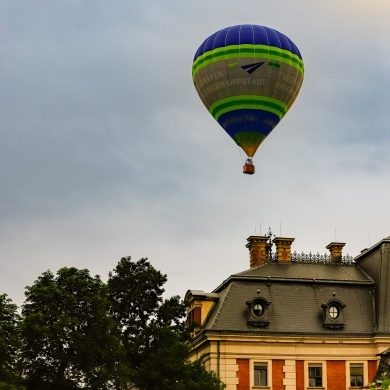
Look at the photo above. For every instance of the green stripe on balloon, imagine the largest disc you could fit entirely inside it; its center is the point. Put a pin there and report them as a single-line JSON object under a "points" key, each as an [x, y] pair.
{"points": [[295, 62], [248, 136], [255, 51], [249, 48], [248, 102], [233, 106]]}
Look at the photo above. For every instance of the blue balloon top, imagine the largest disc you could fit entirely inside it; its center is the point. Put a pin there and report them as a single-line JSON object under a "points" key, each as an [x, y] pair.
{"points": [[247, 34]]}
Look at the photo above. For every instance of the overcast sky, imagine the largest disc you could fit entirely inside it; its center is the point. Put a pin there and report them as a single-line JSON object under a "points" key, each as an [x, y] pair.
{"points": [[107, 151]]}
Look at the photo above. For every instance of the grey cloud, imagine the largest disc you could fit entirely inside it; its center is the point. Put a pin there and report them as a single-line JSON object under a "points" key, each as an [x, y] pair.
{"points": [[106, 150]]}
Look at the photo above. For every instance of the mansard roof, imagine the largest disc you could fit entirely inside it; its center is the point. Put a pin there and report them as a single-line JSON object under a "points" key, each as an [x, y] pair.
{"points": [[305, 271], [297, 293], [366, 251]]}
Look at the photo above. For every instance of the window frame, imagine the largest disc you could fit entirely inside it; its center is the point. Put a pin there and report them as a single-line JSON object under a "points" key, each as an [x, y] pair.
{"points": [[351, 364], [267, 364], [262, 368], [317, 378], [314, 363]]}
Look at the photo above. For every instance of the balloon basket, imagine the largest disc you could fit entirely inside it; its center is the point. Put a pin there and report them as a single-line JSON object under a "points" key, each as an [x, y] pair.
{"points": [[248, 168]]}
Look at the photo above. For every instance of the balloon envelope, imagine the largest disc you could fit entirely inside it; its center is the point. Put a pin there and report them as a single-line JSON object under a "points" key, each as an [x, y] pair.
{"points": [[248, 77]]}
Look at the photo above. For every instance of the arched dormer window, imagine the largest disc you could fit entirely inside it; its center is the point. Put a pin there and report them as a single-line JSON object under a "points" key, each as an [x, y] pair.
{"points": [[257, 311], [332, 313]]}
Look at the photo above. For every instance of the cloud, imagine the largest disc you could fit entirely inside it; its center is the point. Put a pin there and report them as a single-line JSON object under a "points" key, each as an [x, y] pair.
{"points": [[106, 150]]}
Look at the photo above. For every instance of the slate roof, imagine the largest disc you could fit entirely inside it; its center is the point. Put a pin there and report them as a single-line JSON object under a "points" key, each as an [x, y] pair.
{"points": [[372, 248], [296, 292], [309, 271]]}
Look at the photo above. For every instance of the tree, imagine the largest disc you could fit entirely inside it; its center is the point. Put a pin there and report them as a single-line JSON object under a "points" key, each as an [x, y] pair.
{"points": [[9, 343], [383, 384], [154, 330], [69, 339]]}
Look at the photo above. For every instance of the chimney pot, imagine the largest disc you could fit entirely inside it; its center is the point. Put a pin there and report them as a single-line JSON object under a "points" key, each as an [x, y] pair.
{"points": [[335, 249], [259, 250], [283, 249]]}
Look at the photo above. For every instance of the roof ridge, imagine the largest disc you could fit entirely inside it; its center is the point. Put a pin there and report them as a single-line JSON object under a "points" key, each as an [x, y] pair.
{"points": [[252, 268], [222, 304]]}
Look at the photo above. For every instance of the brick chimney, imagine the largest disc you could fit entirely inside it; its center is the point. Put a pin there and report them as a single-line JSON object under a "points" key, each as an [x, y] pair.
{"points": [[259, 249], [335, 249], [283, 249]]}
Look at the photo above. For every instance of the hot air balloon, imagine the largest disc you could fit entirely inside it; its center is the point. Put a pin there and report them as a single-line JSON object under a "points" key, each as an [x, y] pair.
{"points": [[248, 76]]}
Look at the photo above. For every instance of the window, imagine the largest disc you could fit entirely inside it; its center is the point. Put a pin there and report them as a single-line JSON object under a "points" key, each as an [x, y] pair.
{"points": [[258, 309], [333, 312], [356, 375], [258, 313], [194, 317], [260, 374], [315, 375]]}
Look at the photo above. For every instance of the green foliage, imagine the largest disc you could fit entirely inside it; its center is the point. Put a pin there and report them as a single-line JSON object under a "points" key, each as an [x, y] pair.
{"points": [[69, 340], [135, 292], [9, 342], [154, 330], [76, 332], [164, 366], [383, 384], [9, 386], [197, 378]]}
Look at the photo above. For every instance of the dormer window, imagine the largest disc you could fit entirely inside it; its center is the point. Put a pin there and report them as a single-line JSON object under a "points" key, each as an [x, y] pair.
{"points": [[257, 311], [332, 313]]}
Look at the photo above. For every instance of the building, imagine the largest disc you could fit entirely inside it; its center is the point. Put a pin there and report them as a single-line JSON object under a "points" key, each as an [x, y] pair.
{"points": [[295, 321]]}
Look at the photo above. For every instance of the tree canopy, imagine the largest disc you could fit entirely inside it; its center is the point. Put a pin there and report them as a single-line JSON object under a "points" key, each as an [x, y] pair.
{"points": [[9, 343], [69, 340], [77, 332], [154, 331]]}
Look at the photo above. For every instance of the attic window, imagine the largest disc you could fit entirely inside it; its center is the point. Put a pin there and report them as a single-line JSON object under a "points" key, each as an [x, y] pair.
{"points": [[332, 313], [257, 312]]}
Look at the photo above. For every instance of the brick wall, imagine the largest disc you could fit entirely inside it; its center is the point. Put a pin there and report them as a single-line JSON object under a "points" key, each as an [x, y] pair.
{"points": [[372, 367], [243, 374], [277, 374], [300, 372], [335, 374]]}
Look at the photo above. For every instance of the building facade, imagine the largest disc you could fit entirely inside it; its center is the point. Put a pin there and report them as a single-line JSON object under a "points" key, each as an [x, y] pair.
{"points": [[296, 322]]}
